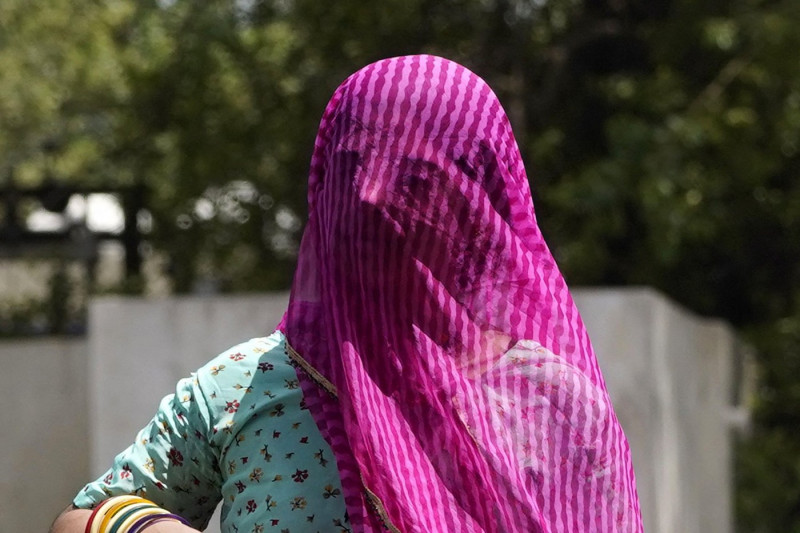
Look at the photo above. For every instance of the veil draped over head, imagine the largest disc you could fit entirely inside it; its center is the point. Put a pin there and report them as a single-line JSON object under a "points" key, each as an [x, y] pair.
{"points": [[439, 349]]}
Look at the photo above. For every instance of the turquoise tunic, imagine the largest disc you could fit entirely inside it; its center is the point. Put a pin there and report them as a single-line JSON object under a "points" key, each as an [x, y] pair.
{"points": [[237, 431]]}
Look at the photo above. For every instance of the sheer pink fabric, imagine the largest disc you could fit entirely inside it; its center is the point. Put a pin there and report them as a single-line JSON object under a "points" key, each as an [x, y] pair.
{"points": [[450, 369]]}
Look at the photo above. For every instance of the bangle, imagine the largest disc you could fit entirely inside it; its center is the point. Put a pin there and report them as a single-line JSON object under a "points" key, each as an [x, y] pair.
{"points": [[92, 517], [120, 523], [103, 512], [127, 514], [146, 521]]}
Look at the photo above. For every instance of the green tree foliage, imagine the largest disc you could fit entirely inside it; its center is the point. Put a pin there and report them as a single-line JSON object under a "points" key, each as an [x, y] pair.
{"points": [[662, 139]]}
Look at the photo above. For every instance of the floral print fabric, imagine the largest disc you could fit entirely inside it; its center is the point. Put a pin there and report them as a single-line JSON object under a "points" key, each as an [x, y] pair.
{"points": [[237, 431]]}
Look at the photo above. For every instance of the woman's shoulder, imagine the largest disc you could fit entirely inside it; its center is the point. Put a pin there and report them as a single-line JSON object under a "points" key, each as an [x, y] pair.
{"points": [[245, 380], [255, 347], [243, 357]]}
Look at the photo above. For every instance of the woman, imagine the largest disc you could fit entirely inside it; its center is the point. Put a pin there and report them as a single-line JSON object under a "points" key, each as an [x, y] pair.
{"points": [[446, 381]]}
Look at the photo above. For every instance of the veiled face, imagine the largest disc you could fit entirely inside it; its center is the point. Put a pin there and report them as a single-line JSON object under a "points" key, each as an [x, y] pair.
{"points": [[419, 190]]}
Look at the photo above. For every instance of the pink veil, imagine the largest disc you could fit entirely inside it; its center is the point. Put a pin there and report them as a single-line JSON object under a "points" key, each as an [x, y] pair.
{"points": [[439, 349]]}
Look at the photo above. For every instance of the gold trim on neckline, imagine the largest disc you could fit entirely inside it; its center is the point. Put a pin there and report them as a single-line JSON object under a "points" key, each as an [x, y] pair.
{"points": [[312, 372]]}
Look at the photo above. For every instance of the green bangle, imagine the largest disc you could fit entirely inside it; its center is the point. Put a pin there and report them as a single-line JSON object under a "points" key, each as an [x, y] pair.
{"points": [[116, 521]]}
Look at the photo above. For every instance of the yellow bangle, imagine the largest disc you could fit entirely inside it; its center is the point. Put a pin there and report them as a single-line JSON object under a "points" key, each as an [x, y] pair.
{"points": [[109, 508]]}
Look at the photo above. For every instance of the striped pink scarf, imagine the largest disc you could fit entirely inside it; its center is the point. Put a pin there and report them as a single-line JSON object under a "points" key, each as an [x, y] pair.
{"points": [[449, 368]]}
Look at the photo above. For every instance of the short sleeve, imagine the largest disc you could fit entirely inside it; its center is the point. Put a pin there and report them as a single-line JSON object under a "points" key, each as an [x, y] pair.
{"points": [[171, 462]]}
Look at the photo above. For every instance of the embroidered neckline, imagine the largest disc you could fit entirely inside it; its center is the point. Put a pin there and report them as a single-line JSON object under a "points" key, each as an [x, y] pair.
{"points": [[312, 372]]}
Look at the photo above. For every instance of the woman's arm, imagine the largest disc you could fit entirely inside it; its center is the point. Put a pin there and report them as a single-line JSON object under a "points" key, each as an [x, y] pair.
{"points": [[73, 520], [169, 463]]}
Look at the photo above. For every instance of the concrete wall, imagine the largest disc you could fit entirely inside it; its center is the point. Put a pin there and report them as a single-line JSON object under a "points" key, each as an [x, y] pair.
{"points": [[44, 421], [139, 349], [668, 372]]}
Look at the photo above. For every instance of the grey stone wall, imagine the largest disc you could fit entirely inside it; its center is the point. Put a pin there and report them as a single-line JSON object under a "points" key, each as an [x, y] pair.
{"points": [[69, 406], [44, 421], [669, 374]]}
